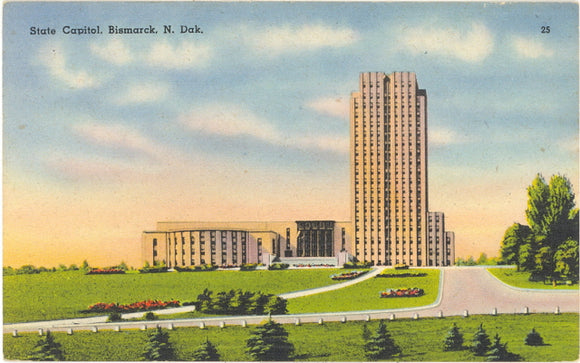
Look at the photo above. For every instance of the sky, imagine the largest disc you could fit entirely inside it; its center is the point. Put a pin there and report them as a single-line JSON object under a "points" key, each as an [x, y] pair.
{"points": [[248, 119]]}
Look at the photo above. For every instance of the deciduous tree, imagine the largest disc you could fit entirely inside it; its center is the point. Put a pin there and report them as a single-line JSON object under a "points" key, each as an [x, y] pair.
{"points": [[514, 239]]}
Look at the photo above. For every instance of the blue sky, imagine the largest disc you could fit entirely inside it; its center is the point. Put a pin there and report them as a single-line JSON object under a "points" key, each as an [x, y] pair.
{"points": [[106, 134]]}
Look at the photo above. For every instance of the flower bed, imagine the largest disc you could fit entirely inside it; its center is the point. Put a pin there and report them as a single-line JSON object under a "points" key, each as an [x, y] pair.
{"points": [[108, 271], [414, 292], [134, 307], [313, 265], [347, 275], [405, 274]]}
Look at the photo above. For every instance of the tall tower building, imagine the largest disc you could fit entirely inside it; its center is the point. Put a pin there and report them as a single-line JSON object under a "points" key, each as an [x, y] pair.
{"points": [[389, 170]]}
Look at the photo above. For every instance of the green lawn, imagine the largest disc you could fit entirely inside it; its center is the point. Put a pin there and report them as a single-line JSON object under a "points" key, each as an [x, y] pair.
{"points": [[520, 279], [365, 295], [58, 295], [420, 340]]}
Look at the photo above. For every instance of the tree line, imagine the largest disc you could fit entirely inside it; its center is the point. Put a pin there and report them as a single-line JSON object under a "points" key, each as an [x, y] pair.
{"points": [[31, 269], [547, 246]]}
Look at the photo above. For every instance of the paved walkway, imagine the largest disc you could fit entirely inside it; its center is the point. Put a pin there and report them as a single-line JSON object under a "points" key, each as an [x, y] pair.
{"points": [[318, 290], [470, 289]]}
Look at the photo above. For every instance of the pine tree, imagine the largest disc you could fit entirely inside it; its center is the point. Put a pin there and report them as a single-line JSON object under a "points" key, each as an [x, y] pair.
{"points": [[46, 349], [269, 342], [534, 338], [453, 339], [159, 348], [499, 353], [381, 345], [480, 343], [366, 333], [206, 352]]}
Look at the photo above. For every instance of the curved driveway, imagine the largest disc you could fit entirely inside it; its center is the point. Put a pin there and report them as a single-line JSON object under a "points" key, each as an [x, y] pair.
{"points": [[471, 289]]}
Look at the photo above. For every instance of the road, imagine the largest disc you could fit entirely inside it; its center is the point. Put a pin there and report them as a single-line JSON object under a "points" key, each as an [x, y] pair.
{"points": [[463, 290]]}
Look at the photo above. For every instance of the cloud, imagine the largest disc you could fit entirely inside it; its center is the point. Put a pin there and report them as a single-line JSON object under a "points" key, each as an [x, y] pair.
{"points": [[186, 55], [114, 51], [331, 106], [119, 136], [336, 144], [570, 145], [471, 46], [444, 136], [288, 39], [53, 57], [138, 93], [96, 168], [233, 121], [229, 120], [530, 48]]}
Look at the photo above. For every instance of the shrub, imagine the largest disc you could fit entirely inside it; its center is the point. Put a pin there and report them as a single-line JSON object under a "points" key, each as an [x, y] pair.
{"points": [[248, 266], [196, 268], [278, 266], [154, 269], [365, 264], [114, 316], [453, 339], [401, 266], [150, 316], [534, 338]]}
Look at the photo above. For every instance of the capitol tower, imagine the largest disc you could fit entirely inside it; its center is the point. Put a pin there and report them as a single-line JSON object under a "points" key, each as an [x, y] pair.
{"points": [[390, 207]]}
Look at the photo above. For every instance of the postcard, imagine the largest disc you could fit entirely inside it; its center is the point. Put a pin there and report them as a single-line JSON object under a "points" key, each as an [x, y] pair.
{"points": [[350, 181]]}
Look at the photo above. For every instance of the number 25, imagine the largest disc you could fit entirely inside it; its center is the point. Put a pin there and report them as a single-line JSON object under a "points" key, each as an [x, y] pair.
{"points": [[545, 29]]}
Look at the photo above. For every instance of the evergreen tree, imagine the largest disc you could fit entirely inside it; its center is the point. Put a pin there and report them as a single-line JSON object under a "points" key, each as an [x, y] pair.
{"points": [[366, 333], [206, 352], [453, 339], [276, 305], [534, 338], [498, 352], [480, 343], [159, 348], [46, 349], [381, 345], [269, 342]]}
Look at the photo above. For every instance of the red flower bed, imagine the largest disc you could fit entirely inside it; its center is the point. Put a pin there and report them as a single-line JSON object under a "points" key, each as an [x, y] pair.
{"points": [[414, 292], [108, 271], [137, 306], [347, 275]]}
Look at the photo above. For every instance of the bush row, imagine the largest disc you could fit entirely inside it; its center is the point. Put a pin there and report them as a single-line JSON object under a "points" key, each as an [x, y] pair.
{"points": [[365, 264], [238, 302]]}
